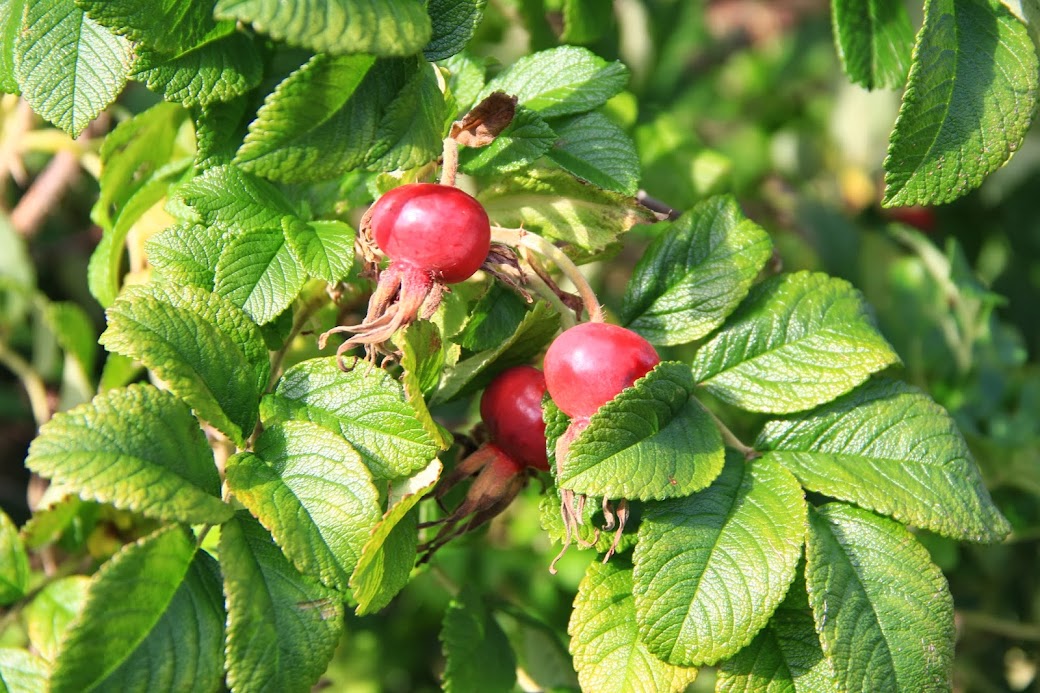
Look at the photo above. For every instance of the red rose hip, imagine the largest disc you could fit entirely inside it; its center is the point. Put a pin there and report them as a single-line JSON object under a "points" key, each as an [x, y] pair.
{"points": [[511, 407], [589, 364]]}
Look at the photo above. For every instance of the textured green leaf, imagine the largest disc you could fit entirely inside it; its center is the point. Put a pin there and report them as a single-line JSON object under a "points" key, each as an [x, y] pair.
{"points": [[258, 273], [585, 21], [365, 405], [889, 448], [454, 22], [223, 65], [799, 340], [14, 562], [53, 518], [131, 157], [69, 67], [652, 441], [695, 273], [11, 12], [282, 626], [401, 27], [711, 568], [204, 347], [874, 39], [608, 653], [556, 205], [593, 148], [186, 254], [313, 493], [325, 249], [389, 554], [526, 139], [533, 334], [219, 130], [232, 199], [785, 657], [153, 620], [423, 360], [477, 653], [51, 612], [105, 272], [969, 101], [560, 81], [164, 25], [336, 114], [882, 608], [465, 78], [21, 671], [139, 449], [492, 319]]}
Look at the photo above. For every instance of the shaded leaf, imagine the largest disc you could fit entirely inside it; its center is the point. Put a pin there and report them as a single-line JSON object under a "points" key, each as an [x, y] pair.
{"points": [[478, 655]]}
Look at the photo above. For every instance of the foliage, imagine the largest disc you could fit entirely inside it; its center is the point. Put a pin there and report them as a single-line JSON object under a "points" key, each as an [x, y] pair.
{"points": [[795, 473]]}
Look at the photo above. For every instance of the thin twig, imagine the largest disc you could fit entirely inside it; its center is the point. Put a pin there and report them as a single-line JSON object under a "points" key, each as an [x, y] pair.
{"points": [[310, 307], [62, 171], [450, 163], [662, 210], [728, 436], [977, 620]]}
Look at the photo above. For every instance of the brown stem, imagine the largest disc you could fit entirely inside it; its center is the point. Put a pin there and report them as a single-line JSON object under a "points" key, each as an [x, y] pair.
{"points": [[450, 165], [662, 210]]}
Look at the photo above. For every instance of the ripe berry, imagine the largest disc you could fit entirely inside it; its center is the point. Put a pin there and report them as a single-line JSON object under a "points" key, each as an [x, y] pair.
{"points": [[433, 235], [434, 228], [511, 407], [589, 364]]}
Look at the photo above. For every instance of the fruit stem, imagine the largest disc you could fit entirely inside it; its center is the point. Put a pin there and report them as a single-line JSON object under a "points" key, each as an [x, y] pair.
{"points": [[532, 241], [728, 437], [450, 164], [567, 318]]}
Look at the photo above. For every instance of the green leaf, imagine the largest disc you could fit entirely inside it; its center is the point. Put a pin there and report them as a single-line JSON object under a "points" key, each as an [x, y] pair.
{"points": [[336, 114], [493, 319], [22, 671], [258, 273], [48, 617], [556, 205], [204, 347], [585, 21], [477, 653], [593, 148], [785, 655], [325, 249], [171, 26], [608, 653], [139, 449], [695, 272], [423, 360], [153, 619], [882, 608], [132, 156], [401, 27], [533, 334], [186, 254], [105, 272], [591, 520], [711, 568], [873, 39], [364, 405], [560, 81], [231, 199], [74, 331], [652, 441], [526, 139], [914, 465], [223, 65], [799, 340], [465, 78], [313, 493], [282, 626], [453, 24], [11, 12], [69, 67], [14, 562], [53, 517], [389, 554], [969, 101], [219, 130]]}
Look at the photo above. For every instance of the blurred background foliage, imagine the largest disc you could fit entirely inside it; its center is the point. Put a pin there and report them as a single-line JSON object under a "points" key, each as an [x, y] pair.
{"points": [[742, 96]]}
